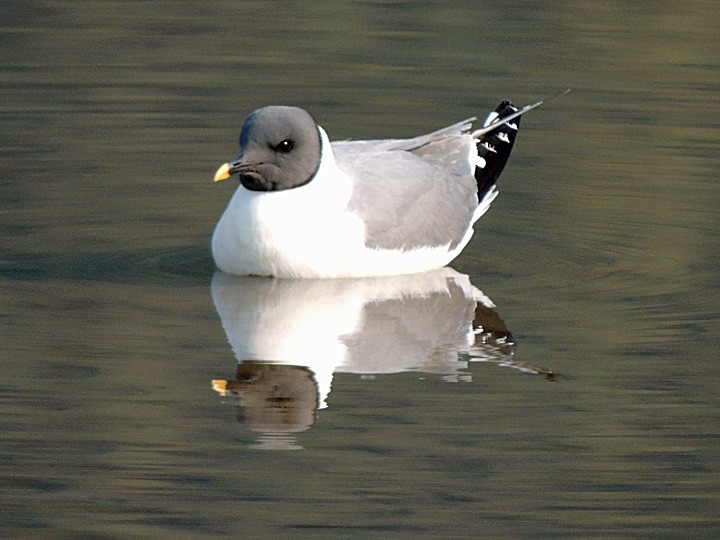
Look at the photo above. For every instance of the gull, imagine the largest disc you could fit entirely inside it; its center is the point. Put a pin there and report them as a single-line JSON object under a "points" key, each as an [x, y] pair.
{"points": [[310, 208]]}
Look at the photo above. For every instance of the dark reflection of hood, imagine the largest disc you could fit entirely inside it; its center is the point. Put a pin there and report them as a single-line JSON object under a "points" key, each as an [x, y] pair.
{"points": [[284, 330], [275, 400]]}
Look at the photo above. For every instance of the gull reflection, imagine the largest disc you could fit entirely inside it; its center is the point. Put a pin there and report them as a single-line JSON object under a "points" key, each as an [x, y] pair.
{"points": [[290, 336]]}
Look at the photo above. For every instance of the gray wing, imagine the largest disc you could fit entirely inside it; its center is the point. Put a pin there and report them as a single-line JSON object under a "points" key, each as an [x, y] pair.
{"points": [[413, 193], [377, 145]]}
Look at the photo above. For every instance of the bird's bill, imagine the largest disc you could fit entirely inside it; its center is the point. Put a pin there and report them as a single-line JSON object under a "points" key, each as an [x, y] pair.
{"points": [[223, 173]]}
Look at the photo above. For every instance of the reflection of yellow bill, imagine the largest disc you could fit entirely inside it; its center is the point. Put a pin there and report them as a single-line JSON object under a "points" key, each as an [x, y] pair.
{"points": [[220, 386]]}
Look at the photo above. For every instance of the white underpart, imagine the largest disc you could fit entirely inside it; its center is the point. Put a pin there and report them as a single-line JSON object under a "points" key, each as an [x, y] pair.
{"points": [[307, 232]]}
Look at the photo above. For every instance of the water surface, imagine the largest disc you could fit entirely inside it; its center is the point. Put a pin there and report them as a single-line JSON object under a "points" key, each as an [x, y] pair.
{"points": [[600, 418]]}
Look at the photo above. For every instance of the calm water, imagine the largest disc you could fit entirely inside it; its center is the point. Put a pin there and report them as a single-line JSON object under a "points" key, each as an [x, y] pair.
{"points": [[585, 403]]}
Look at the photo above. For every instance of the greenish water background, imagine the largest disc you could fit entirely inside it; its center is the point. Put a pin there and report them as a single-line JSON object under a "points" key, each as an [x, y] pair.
{"points": [[601, 253]]}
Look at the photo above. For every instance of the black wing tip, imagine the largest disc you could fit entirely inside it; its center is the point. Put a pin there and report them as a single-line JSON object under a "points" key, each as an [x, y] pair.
{"points": [[494, 147]]}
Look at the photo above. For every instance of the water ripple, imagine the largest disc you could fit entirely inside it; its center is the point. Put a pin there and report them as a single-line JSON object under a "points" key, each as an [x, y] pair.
{"points": [[173, 265]]}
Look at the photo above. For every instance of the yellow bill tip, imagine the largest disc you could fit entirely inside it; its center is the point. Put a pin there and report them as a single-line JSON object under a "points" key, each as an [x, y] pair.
{"points": [[223, 173], [220, 386]]}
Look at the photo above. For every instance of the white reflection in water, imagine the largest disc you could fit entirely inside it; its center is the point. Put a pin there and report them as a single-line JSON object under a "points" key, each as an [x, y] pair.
{"points": [[291, 336]]}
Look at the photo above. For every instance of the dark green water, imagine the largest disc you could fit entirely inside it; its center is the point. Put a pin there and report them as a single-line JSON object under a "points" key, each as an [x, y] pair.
{"points": [[601, 254]]}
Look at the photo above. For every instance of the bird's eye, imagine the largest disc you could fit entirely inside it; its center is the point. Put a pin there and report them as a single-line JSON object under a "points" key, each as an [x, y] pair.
{"points": [[284, 146]]}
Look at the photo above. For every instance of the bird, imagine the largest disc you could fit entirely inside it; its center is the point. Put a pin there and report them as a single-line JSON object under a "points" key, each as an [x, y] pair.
{"points": [[310, 208]]}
